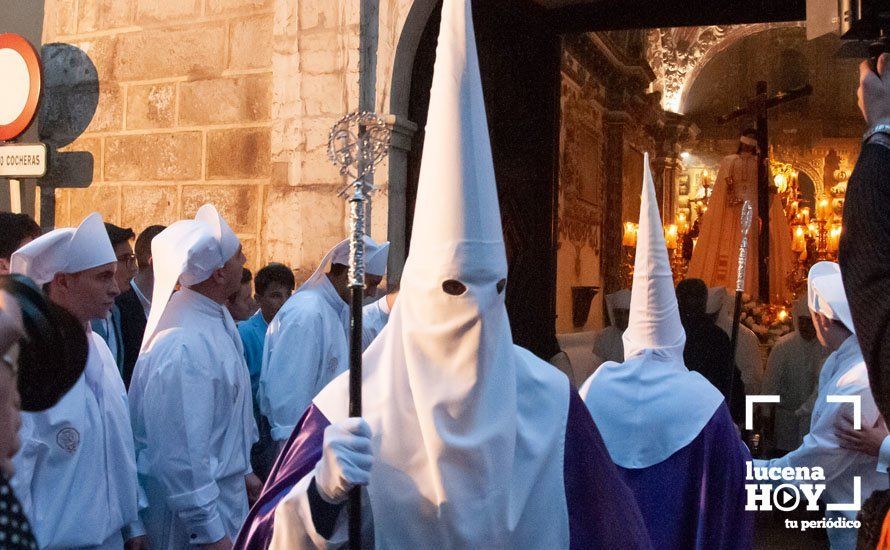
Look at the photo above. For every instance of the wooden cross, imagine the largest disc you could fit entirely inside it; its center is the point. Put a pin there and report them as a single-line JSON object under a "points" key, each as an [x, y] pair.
{"points": [[758, 107]]}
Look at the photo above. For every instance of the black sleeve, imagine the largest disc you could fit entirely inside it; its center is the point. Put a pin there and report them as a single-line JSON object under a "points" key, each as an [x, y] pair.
{"points": [[865, 264], [324, 514]]}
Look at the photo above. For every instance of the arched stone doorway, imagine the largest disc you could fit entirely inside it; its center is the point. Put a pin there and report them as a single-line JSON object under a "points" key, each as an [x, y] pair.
{"points": [[519, 59]]}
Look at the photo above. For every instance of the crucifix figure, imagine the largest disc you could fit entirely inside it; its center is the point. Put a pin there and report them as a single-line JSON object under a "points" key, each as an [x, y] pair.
{"points": [[745, 176], [758, 107]]}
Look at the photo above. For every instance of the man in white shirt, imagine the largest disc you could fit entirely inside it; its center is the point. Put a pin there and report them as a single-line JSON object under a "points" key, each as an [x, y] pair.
{"points": [[307, 342], [792, 373], [190, 395], [844, 374], [76, 471]]}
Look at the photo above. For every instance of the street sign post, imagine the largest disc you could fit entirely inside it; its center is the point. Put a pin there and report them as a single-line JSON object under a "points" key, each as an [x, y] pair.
{"points": [[21, 72], [23, 160]]}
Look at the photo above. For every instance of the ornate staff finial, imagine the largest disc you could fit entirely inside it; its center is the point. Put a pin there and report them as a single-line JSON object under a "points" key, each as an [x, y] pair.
{"points": [[356, 145]]}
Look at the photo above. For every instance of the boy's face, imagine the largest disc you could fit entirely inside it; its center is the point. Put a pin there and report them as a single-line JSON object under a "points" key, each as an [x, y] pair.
{"points": [[272, 299]]}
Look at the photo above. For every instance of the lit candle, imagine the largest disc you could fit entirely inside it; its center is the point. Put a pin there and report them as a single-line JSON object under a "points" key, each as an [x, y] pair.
{"points": [[813, 228], [834, 238], [670, 237], [805, 211], [682, 225], [799, 243], [783, 314], [823, 209], [630, 235]]}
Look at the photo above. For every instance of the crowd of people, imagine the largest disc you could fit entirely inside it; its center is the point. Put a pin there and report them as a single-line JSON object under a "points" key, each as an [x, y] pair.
{"points": [[155, 393]]}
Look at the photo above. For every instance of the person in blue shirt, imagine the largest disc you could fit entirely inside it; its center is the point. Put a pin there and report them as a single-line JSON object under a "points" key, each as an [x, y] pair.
{"points": [[273, 285]]}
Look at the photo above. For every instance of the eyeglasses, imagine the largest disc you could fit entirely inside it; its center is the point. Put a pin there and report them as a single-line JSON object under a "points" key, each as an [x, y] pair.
{"points": [[128, 259]]}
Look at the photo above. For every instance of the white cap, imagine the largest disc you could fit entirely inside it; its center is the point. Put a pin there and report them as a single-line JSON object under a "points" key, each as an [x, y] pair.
{"points": [[825, 293], [187, 252], [654, 315], [65, 250], [376, 256]]}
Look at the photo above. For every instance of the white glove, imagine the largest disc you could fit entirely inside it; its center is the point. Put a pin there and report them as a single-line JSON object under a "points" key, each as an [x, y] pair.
{"points": [[346, 460]]}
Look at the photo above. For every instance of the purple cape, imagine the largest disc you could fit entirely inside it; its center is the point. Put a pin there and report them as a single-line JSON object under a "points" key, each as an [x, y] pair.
{"points": [[602, 511], [695, 499]]}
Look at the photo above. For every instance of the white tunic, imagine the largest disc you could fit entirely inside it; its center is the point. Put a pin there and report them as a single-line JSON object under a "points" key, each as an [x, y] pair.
{"points": [[847, 377], [306, 347], [193, 422], [76, 471], [792, 373]]}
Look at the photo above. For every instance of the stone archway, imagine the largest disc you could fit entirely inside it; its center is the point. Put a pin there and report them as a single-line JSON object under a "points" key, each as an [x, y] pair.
{"points": [[403, 130], [678, 54]]}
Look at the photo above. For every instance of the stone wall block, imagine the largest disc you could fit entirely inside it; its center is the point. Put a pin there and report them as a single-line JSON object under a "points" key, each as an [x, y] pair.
{"points": [[250, 43], [99, 15], [95, 198], [317, 168], [151, 106], [153, 157], [109, 110], [323, 94], [299, 226], [154, 11], [318, 13], [59, 19], [236, 203], [321, 61], [148, 205], [197, 50], [215, 7], [241, 99], [239, 153], [101, 52]]}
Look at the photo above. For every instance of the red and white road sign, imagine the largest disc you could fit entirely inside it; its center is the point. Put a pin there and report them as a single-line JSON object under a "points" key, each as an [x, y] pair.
{"points": [[20, 73]]}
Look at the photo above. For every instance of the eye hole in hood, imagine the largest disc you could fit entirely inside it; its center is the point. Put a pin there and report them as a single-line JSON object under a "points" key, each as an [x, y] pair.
{"points": [[454, 288]]}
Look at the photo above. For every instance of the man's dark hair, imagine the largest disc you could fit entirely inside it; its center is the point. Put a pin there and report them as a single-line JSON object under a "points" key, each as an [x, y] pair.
{"points": [[246, 276], [142, 248], [692, 298], [274, 273], [118, 235], [338, 269], [15, 228]]}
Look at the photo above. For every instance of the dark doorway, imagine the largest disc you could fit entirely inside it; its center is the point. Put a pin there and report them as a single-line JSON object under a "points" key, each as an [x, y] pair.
{"points": [[519, 44], [519, 61]]}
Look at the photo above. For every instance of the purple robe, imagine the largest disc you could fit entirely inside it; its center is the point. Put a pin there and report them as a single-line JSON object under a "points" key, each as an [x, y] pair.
{"points": [[695, 499], [602, 512]]}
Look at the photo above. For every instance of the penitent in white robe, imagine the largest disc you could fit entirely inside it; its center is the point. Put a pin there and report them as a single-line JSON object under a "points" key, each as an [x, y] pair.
{"points": [[194, 426], [844, 374], [76, 470], [716, 254], [307, 346], [792, 373]]}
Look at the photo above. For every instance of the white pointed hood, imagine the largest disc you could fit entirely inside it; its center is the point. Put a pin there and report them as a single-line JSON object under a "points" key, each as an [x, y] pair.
{"points": [[650, 406], [826, 295], [654, 315], [65, 250], [187, 252], [461, 460], [376, 256]]}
